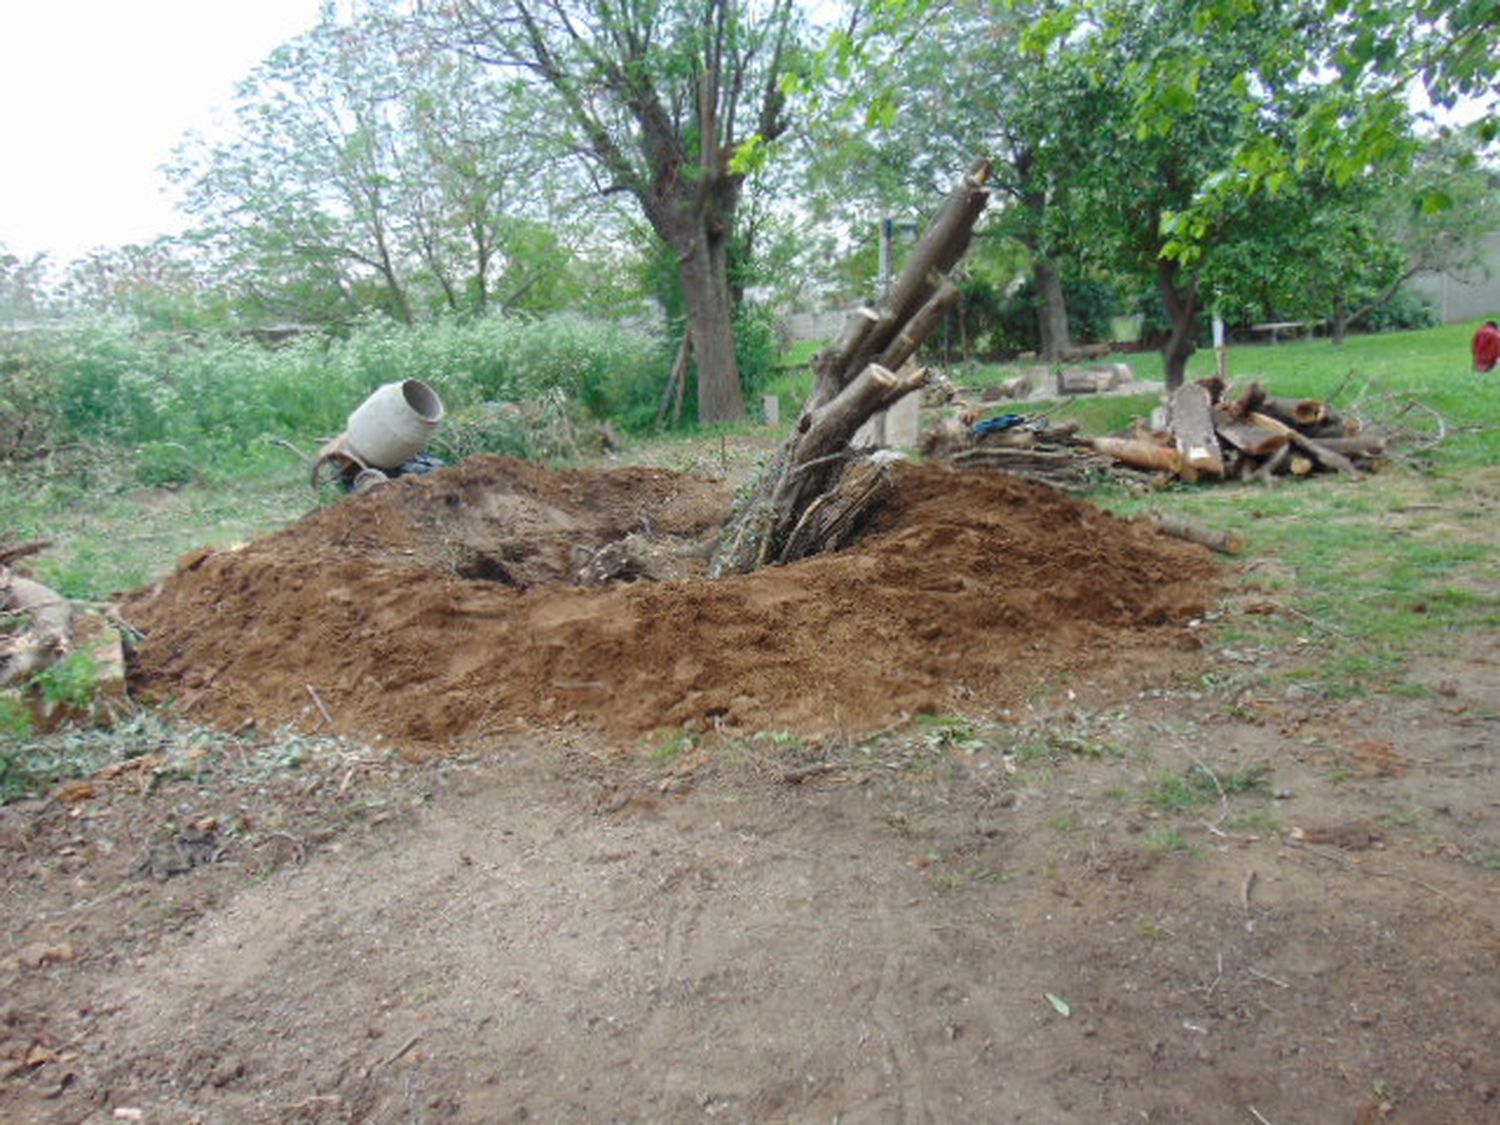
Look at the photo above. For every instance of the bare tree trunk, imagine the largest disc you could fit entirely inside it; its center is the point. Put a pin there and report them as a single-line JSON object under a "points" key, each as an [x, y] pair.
{"points": [[1052, 313], [1340, 326], [1182, 313], [710, 311]]}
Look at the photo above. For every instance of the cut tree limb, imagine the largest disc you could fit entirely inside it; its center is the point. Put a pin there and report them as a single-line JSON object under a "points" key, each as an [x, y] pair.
{"points": [[1315, 450], [1192, 428], [862, 373], [1224, 542], [1141, 454]]}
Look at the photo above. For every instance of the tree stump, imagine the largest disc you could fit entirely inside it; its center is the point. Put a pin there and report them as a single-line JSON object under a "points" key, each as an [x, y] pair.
{"points": [[864, 371]]}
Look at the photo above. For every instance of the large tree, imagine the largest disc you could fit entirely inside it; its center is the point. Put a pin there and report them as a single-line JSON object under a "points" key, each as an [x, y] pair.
{"points": [[1155, 151], [1337, 252], [669, 102], [370, 169]]}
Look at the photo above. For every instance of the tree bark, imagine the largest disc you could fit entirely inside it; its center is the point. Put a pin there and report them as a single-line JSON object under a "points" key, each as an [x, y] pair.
{"points": [[1052, 312], [1182, 312], [861, 373], [710, 311], [1193, 430]]}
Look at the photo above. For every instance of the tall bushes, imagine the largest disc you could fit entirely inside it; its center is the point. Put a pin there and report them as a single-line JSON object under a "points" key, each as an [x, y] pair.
{"points": [[100, 382]]}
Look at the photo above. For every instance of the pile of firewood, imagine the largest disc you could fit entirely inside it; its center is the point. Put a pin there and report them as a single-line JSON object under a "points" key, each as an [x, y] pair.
{"points": [[1213, 432], [1036, 450]]}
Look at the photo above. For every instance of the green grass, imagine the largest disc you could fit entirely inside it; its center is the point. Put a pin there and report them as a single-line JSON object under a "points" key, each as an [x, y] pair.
{"points": [[1201, 786], [111, 535], [1168, 840], [1371, 572]]}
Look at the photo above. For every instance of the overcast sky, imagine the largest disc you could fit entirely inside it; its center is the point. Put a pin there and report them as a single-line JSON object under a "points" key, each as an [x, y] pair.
{"points": [[94, 94]]}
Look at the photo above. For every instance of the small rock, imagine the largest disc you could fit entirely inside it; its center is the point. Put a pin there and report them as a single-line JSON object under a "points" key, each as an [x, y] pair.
{"points": [[229, 1069]]}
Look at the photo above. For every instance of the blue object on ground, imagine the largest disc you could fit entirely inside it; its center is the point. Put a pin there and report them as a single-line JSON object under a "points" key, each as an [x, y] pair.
{"points": [[996, 424]]}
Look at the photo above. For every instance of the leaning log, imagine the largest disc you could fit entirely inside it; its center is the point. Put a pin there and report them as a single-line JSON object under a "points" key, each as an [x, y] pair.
{"points": [[1192, 427], [865, 370]]}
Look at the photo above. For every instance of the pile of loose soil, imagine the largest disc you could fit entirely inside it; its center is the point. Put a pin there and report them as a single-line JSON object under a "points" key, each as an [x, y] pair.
{"points": [[444, 607]]}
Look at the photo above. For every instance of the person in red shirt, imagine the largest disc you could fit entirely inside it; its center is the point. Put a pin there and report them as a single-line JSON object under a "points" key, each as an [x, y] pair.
{"points": [[1487, 346]]}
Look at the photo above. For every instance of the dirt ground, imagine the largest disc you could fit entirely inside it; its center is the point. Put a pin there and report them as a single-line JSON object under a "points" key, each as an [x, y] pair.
{"points": [[963, 825]]}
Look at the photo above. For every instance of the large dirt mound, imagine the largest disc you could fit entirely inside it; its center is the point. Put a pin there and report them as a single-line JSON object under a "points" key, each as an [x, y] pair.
{"points": [[441, 608]]}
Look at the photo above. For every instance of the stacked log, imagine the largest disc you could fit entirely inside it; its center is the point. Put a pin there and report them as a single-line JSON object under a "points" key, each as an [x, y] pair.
{"points": [[1053, 455], [1215, 433]]}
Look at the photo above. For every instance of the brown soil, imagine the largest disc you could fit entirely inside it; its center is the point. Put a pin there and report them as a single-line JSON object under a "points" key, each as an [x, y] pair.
{"points": [[439, 608], [958, 920]]}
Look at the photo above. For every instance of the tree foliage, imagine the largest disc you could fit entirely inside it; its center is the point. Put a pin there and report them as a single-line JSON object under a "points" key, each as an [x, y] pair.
{"points": [[672, 103], [370, 168]]}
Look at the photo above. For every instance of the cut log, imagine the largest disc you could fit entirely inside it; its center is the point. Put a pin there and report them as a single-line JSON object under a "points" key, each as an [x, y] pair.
{"points": [[1224, 542], [1272, 465], [48, 635], [1363, 445], [1335, 427], [1084, 381], [1247, 437], [1141, 454], [1316, 450], [1017, 387], [1300, 465], [1299, 412], [1192, 427]]}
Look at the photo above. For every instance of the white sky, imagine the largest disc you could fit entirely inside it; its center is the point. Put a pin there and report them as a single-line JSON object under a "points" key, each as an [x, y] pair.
{"points": [[94, 95]]}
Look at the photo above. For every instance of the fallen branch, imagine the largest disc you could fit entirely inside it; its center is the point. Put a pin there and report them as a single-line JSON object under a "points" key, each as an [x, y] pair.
{"points": [[322, 709], [1224, 542], [10, 552]]}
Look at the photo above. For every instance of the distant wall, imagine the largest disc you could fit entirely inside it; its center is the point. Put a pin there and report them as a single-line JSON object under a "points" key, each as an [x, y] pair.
{"points": [[814, 325], [1477, 298]]}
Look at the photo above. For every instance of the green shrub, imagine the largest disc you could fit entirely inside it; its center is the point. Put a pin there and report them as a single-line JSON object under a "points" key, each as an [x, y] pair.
{"points": [[1405, 310], [71, 682], [186, 402], [756, 347], [15, 719], [164, 463]]}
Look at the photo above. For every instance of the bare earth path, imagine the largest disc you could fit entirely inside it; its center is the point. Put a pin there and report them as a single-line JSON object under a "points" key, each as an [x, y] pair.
{"points": [[1131, 893], [547, 932]]}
